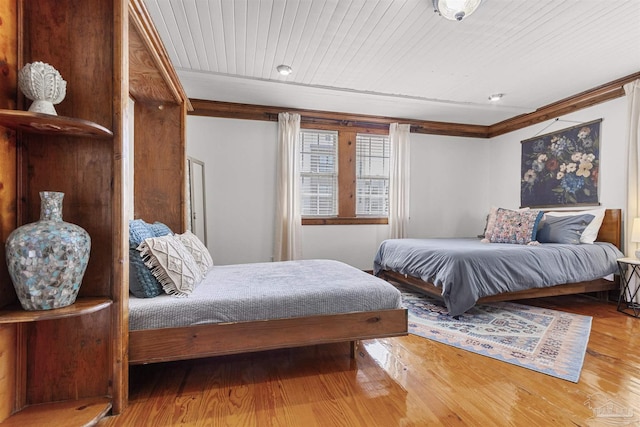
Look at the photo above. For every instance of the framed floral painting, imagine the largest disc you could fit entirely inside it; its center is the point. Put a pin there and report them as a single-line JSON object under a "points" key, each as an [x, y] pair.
{"points": [[561, 168]]}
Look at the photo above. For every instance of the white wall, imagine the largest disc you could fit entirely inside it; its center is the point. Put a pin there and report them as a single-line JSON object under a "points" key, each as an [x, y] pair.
{"points": [[449, 180], [505, 154], [454, 182], [449, 186], [240, 161]]}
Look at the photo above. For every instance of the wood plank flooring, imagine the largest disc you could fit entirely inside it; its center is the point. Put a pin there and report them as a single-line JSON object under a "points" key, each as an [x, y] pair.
{"points": [[402, 381]]}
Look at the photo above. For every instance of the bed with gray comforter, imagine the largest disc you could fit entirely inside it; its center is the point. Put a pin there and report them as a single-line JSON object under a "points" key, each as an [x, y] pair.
{"points": [[468, 269], [264, 291]]}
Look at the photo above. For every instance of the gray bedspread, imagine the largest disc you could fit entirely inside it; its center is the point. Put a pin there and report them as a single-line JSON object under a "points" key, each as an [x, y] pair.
{"points": [[467, 269], [261, 291]]}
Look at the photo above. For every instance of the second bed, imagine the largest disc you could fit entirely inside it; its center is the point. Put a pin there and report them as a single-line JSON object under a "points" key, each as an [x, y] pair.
{"points": [[466, 271]]}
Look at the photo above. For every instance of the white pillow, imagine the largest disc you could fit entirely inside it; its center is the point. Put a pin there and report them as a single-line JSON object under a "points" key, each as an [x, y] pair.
{"points": [[197, 249], [172, 264], [590, 234]]}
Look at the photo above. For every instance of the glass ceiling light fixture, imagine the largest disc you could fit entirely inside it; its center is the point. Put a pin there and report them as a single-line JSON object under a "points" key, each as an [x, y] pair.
{"points": [[455, 10], [284, 70]]}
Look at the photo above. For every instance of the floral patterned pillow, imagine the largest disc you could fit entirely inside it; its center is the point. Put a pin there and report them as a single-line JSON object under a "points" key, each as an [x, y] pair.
{"points": [[518, 227], [491, 221]]}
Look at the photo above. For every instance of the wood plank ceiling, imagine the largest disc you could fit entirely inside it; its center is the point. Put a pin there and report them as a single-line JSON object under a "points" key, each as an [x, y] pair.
{"points": [[398, 58]]}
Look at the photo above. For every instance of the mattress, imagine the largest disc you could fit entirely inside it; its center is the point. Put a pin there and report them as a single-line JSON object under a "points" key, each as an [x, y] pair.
{"points": [[467, 269], [264, 291]]}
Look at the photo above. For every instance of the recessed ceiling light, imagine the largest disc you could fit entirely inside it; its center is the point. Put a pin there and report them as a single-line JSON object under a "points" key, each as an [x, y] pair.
{"points": [[496, 97], [284, 70]]}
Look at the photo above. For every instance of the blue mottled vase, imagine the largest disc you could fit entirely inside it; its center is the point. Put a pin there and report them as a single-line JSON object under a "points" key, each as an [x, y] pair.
{"points": [[48, 258]]}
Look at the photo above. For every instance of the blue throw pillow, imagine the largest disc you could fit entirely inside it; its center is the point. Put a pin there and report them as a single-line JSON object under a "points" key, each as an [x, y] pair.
{"points": [[159, 229], [142, 283], [138, 231], [563, 229]]}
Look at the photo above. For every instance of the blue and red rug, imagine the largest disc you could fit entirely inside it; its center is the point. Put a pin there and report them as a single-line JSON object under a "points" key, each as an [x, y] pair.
{"points": [[543, 340]]}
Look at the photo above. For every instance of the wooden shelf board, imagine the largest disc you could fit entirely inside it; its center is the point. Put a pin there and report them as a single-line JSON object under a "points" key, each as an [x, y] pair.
{"points": [[52, 125], [86, 305], [81, 412]]}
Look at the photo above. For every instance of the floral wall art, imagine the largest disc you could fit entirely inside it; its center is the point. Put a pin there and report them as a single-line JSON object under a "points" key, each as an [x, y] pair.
{"points": [[561, 168]]}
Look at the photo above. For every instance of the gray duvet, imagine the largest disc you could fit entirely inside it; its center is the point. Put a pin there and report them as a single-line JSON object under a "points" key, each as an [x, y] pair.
{"points": [[261, 291], [467, 269]]}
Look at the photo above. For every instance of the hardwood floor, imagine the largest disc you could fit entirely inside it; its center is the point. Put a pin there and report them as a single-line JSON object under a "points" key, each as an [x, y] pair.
{"points": [[403, 381]]}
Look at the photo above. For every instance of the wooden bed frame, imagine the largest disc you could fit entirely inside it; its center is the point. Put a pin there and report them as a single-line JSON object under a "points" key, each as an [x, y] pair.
{"points": [[167, 344], [610, 231]]}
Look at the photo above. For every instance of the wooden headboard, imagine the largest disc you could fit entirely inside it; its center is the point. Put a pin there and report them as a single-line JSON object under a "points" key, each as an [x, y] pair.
{"points": [[611, 229]]}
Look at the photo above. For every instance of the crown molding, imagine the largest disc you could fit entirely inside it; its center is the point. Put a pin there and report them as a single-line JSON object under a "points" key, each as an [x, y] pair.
{"points": [[317, 118], [597, 95], [232, 110]]}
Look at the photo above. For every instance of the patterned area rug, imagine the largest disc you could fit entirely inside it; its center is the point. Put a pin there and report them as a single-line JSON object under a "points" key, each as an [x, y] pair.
{"points": [[543, 340]]}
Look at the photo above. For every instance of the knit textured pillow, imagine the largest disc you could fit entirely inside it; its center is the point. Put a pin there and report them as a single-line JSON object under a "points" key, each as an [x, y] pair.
{"points": [[172, 264], [142, 284], [197, 249], [159, 229], [516, 227]]}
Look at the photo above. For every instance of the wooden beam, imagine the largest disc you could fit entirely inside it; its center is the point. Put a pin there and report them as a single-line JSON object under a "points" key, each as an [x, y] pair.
{"points": [[603, 93], [232, 110], [141, 20], [357, 122]]}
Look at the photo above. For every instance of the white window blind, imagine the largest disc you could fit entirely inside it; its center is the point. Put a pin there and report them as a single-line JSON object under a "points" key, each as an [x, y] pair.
{"points": [[372, 175], [319, 172]]}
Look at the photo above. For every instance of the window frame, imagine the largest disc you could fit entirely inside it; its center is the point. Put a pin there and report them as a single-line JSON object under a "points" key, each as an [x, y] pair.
{"points": [[368, 162], [346, 177], [332, 175]]}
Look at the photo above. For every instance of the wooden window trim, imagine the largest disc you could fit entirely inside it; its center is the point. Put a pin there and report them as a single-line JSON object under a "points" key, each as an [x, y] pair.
{"points": [[344, 221], [346, 178], [346, 174]]}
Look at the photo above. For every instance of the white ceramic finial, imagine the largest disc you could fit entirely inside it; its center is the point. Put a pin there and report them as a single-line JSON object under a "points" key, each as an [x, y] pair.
{"points": [[44, 85]]}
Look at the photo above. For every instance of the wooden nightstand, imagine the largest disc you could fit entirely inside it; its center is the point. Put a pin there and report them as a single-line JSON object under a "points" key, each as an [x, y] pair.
{"points": [[627, 301]]}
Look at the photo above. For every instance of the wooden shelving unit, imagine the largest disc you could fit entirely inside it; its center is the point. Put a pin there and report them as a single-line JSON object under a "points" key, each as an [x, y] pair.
{"points": [[82, 306], [52, 125], [81, 412], [69, 366], [61, 365]]}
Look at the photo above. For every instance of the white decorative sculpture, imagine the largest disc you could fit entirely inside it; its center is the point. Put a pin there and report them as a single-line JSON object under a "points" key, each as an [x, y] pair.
{"points": [[44, 85]]}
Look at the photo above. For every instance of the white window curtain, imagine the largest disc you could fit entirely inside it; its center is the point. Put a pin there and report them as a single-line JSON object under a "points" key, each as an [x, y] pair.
{"points": [[287, 245], [399, 181], [632, 91]]}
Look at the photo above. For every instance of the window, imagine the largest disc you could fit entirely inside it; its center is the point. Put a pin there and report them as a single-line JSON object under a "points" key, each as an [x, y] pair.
{"points": [[344, 176], [319, 173], [372, 175]]}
